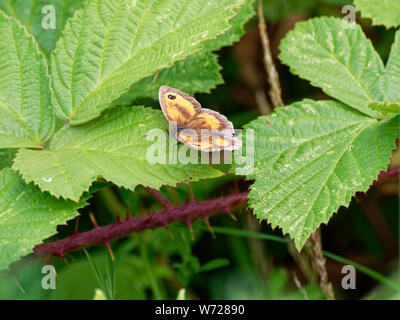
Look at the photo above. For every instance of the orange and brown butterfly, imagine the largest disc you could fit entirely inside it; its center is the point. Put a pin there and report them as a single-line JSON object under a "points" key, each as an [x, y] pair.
{"points": [[199, 128]]}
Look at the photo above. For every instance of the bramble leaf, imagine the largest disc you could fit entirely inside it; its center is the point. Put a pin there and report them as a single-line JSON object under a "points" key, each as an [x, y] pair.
{"points": [[113, 146], [386, 107], [27, 216], [111, 44], [26, 115], [311, 158], [6, 157], [383, 12], [391, 78], [244, 13], [198, 73], [335, 56], [35, 15]]}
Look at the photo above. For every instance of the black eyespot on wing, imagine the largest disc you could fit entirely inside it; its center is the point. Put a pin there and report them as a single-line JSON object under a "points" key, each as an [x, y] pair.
{"points": [[171, 96]]}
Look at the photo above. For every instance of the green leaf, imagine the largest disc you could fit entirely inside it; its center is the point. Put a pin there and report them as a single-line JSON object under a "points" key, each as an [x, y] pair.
{"points": [[26, 116], [199, 73], [113, 146], [383, 12], [214, 264], [391, 79], [275, 10], [27, 216], [29, 13], [311, 159], [335, 56], [238, 22], [386, 107], [111, 44], [6, 157]]}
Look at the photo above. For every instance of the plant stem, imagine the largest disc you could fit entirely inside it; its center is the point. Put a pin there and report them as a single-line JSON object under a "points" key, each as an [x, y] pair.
{"points": [[186, 213], [371, 273], [319, 264], [389, 173], [160, 198], [273, 78], [367, 271]]}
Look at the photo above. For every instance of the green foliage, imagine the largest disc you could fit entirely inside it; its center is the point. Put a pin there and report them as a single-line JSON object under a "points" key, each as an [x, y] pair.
{"points": [[29, 13], [112, 44], [27, 216], [311, 159], [105, 48], [26, 116], [391, 80], [214, 264], [243, 15], [199, 72], [6, 157], [113, 146], [275, 10], [336, 57], [107, 281], [79, 281], [383, 12], [386, 107], [278, 288]]}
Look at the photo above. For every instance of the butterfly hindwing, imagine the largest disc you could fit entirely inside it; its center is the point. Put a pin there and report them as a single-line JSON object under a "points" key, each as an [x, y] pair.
{"points": [[178, 106], [208, 141], [210, 119]]}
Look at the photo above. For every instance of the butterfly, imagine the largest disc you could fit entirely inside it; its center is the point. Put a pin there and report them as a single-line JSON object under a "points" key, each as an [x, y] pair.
{"points": [[199, 128]]}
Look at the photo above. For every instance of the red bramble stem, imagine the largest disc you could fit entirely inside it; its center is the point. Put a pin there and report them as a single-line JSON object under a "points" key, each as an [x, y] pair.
{"points": [[390, 173], [186, 213], [160, 198]]}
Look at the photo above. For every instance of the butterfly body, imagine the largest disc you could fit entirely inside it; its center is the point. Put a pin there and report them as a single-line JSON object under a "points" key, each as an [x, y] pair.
{"points": [[199, 128]]}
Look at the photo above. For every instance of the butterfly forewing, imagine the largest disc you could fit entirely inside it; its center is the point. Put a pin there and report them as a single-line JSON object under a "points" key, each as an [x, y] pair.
{"points": [[178, 106]]}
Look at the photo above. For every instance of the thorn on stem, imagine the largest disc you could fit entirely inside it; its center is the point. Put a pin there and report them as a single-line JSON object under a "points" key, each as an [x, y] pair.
{"points": [[191, 193], [169, 232], [207, 222], [107, 245], [65, 260], [189, 224], [76, 226], [229, 213], [93, 220]]}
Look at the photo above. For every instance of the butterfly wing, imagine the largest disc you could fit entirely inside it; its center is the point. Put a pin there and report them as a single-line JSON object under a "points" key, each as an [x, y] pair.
{"points": [[214, 132], [204, 129], [209, 141], [211, 120], [178, 106]]}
